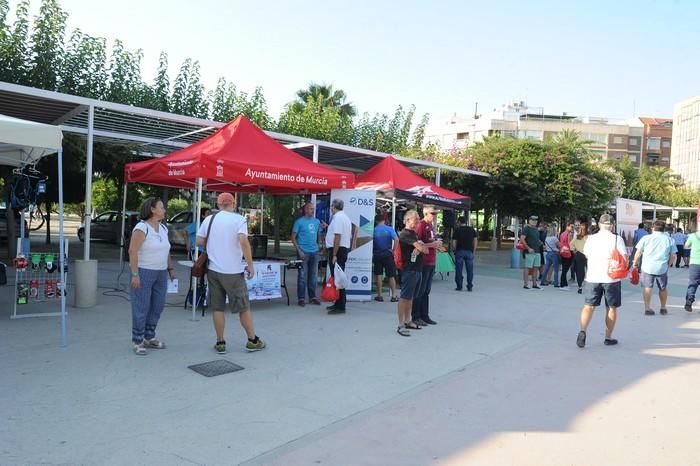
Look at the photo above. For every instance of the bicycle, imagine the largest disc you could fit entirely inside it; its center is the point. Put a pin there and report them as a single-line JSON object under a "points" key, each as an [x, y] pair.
{"points": [[37, 218]]}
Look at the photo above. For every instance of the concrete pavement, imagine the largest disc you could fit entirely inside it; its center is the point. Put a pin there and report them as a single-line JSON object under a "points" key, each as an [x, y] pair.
{"points": [[498, 381]]}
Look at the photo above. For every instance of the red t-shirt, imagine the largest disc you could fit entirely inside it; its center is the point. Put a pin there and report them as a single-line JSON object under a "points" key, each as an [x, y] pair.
{"points": [[564, 239], [425, 233]]}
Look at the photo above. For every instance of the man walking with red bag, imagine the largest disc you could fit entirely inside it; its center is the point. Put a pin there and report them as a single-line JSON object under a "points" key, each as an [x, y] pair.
{"points": [[598, 250]]}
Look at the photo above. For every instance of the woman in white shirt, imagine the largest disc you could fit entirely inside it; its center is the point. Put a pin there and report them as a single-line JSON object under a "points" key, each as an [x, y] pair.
{"points": [[150, 262]]}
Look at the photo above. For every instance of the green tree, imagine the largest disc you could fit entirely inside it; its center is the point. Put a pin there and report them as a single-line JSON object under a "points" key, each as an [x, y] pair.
{"points": [[314, 120], [84, 71], [324, 96], [552, 178], [105, 194], [47, 45], [125, 83], [15, 54], [161, 88]]}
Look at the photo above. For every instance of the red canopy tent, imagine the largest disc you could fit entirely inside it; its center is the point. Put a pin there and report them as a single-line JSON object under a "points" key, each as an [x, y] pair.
{"points": [[239, 157], [398, 181]]}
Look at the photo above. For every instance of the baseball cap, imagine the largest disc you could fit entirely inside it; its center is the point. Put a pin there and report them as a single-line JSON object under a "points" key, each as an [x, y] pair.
{"points": [[225, 199], [534, 217], [606, 219]]}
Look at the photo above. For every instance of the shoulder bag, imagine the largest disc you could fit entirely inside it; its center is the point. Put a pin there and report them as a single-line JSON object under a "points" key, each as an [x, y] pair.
{"points": [[199, 269]]}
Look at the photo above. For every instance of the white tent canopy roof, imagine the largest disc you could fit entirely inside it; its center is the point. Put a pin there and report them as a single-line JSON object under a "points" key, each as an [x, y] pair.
{"points": [[25, 142]]}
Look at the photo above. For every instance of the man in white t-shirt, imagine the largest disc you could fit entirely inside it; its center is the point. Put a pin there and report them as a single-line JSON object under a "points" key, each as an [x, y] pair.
{"points": [[226, 247], [338, 240], [598, 283]]}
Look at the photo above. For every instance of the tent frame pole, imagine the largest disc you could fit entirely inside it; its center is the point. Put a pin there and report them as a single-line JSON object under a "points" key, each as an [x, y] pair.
{"points": [[195, 253], [122, 239], [88, 182], [62, 250]]}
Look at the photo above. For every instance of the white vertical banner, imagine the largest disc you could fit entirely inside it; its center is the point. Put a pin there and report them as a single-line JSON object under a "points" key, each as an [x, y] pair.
{"points": [[359, 206], [629, 216]]}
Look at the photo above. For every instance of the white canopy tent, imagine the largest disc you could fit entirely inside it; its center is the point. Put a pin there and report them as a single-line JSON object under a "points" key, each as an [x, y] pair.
{"points": [[24, 143]]}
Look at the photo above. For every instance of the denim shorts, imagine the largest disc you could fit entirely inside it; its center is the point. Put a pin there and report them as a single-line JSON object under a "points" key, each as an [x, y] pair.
{"points": [[410, 283], [612, 291], [648, 280]]}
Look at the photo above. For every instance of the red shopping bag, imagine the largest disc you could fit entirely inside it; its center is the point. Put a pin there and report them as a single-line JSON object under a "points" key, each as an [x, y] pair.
{"points": [[634, 276], [330, 293], [617, 265]]}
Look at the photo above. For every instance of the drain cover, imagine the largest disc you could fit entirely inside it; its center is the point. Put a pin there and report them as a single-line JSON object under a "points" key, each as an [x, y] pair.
{"points": [[214, 368]]}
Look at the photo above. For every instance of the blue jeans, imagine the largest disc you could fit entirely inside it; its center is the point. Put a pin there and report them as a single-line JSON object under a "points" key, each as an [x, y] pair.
{"points": [[551, 259], [147, 303], [693, 282], [308, 276], [421, 303], [464, 257]]}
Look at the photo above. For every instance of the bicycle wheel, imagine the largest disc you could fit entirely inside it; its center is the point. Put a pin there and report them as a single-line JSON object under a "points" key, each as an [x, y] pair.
{"points": [[36, 224]]}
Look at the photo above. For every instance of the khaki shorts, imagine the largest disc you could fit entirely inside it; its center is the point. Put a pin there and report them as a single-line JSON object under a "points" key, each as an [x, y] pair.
{"points": [[231, 284], [532, 260]]}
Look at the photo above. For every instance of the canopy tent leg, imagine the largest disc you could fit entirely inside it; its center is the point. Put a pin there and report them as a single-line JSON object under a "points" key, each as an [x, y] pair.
{"points": [[315, 158], [122, 235], [393, 213], [494, 241], [262, 211], [195, 253], [61, 251]]}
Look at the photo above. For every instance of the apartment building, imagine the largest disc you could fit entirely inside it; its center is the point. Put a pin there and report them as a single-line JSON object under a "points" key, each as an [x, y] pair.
{"points": [[612, 139], [685, 147], [656, 145]]}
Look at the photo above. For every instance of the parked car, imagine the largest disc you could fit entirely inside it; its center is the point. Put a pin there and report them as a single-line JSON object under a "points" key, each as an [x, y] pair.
{"points": [[177, 224], [105, 226], [3, 225]]}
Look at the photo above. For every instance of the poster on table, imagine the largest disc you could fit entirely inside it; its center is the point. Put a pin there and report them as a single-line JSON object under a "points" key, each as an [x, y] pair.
{"points": [[359, 206], [266, 282], [629, 216]]}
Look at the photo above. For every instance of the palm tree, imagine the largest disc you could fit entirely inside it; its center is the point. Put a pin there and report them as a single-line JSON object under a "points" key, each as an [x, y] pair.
{"points": [[326, 96]]}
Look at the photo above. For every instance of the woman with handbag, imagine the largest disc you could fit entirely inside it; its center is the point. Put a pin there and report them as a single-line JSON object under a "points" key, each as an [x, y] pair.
{"points": [[151, 265], [580, 261], [567, 257]]}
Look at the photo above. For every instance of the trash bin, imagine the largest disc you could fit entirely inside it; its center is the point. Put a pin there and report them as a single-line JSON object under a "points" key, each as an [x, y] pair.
{"points": [[258, 245]]}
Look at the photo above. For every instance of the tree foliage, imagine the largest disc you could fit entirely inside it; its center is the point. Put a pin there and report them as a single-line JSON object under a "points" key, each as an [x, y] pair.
{"points": [[323, 95], [318, 121], [552, 178], [47, 45]]}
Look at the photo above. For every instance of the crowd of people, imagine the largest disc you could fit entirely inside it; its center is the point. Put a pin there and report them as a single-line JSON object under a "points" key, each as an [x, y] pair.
{"points": [[591, 259], [406, 259]]}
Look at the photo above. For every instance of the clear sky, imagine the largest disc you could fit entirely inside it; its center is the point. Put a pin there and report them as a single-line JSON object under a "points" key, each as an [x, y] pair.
{"points": [[597, 58]]}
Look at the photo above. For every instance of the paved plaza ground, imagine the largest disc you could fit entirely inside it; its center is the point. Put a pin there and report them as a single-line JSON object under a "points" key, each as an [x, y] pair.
{"points": [[499, 381]]}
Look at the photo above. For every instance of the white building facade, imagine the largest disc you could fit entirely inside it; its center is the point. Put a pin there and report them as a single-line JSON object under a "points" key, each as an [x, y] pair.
{"points": [[610, 139], [685, 146]]}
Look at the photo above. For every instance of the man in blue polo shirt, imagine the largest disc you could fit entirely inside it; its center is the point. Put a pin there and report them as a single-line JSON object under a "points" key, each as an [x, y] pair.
{"points": [[659, 251], [305, 237], [383, 257]]}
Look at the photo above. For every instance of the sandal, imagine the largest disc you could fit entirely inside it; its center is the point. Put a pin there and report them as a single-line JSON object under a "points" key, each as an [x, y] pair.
{"points": [[412, 326], [139, 349], [379, 298], [394, 299], [154, 343], [403, 332]]}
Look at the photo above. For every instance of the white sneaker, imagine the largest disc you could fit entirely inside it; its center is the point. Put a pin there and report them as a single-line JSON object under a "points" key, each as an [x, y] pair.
{"points": [[140, 349], [564, 288]]}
